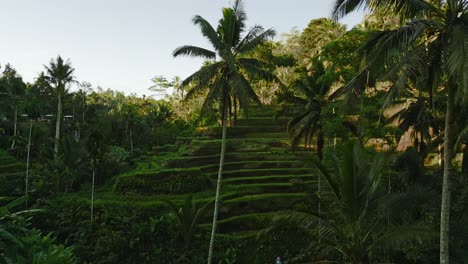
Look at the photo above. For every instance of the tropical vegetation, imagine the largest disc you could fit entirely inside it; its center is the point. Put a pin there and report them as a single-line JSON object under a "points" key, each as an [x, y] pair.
{"points": [[324, 145]]}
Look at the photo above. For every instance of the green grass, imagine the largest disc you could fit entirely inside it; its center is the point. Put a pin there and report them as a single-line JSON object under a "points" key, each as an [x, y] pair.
{"points": [[262, 172], [243, 223], [256, 197], [259, 179], [12, 167], [271, 184]]}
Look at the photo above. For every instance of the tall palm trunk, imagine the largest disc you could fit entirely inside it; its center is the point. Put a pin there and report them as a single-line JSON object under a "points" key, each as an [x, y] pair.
{"points": [[218, 187], [58, 124], [15, 127], [26, 184], [446, 188]]}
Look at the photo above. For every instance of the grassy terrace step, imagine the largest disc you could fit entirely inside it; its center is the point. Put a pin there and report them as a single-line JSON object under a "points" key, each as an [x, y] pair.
{"points": [[263, 121], [244, 222], [282, 135], [195, 161], [262, 172], [17, 174], [269, 179], [12, 167], [7, 160], [235, 143], [146, 201], [240, 130], [256, 203], [275, 187], [165, 148], [266, 133], [244, 165], [188, 140]]}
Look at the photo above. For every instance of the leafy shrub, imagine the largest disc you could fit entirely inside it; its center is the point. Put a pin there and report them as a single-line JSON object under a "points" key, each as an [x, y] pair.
{"points": [[120, 232]]}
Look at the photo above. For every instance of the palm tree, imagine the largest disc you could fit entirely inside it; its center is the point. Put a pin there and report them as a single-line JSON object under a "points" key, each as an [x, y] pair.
{"points": [[431, 43], [350, 224], [227, 77], [313, 97], [187, 220], [59, 75]]}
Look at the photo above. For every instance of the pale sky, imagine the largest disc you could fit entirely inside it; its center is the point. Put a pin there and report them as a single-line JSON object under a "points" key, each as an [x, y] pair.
{"points": [[122, 44]]}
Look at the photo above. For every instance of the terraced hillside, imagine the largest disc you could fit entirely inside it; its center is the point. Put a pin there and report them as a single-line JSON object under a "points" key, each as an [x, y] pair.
{"points": [[11, 175], [261, 174]]}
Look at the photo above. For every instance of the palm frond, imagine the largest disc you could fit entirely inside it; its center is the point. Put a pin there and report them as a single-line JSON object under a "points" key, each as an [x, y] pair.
{"points": [[208, 31], [256, 69], [253, 43], [344, 7], [404, 8], [244, 91], [456, 57], [402, 238], [194, 51], [204, 75], [388, 44]]}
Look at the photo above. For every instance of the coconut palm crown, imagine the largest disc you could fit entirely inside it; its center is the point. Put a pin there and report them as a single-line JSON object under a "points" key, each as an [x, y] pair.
{"points": [[59, 75], [226, 76]]}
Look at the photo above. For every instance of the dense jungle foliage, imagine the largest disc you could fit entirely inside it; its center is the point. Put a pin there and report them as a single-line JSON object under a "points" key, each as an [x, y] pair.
{"points": [[325, 145]]}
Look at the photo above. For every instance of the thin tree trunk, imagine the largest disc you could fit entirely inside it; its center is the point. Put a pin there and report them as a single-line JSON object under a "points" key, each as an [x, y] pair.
{"points": [[218, 189], [92, 196], [446, 185], [58, 125], [15, 127], [26, 184]]}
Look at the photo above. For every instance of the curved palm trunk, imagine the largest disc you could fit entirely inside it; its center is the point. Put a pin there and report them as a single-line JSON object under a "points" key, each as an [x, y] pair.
{"points": [[446, 188], [58, 124], [218, 189]]}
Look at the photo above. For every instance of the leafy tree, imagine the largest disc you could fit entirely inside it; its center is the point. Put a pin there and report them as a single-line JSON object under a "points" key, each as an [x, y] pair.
{"points": [[59, 75], [12, 90], [226, 78], [432, 43], [314, 38]]}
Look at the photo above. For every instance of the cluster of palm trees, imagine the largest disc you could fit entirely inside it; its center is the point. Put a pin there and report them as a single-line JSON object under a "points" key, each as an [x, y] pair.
{"points": [[431, 45], [429, 50]]}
